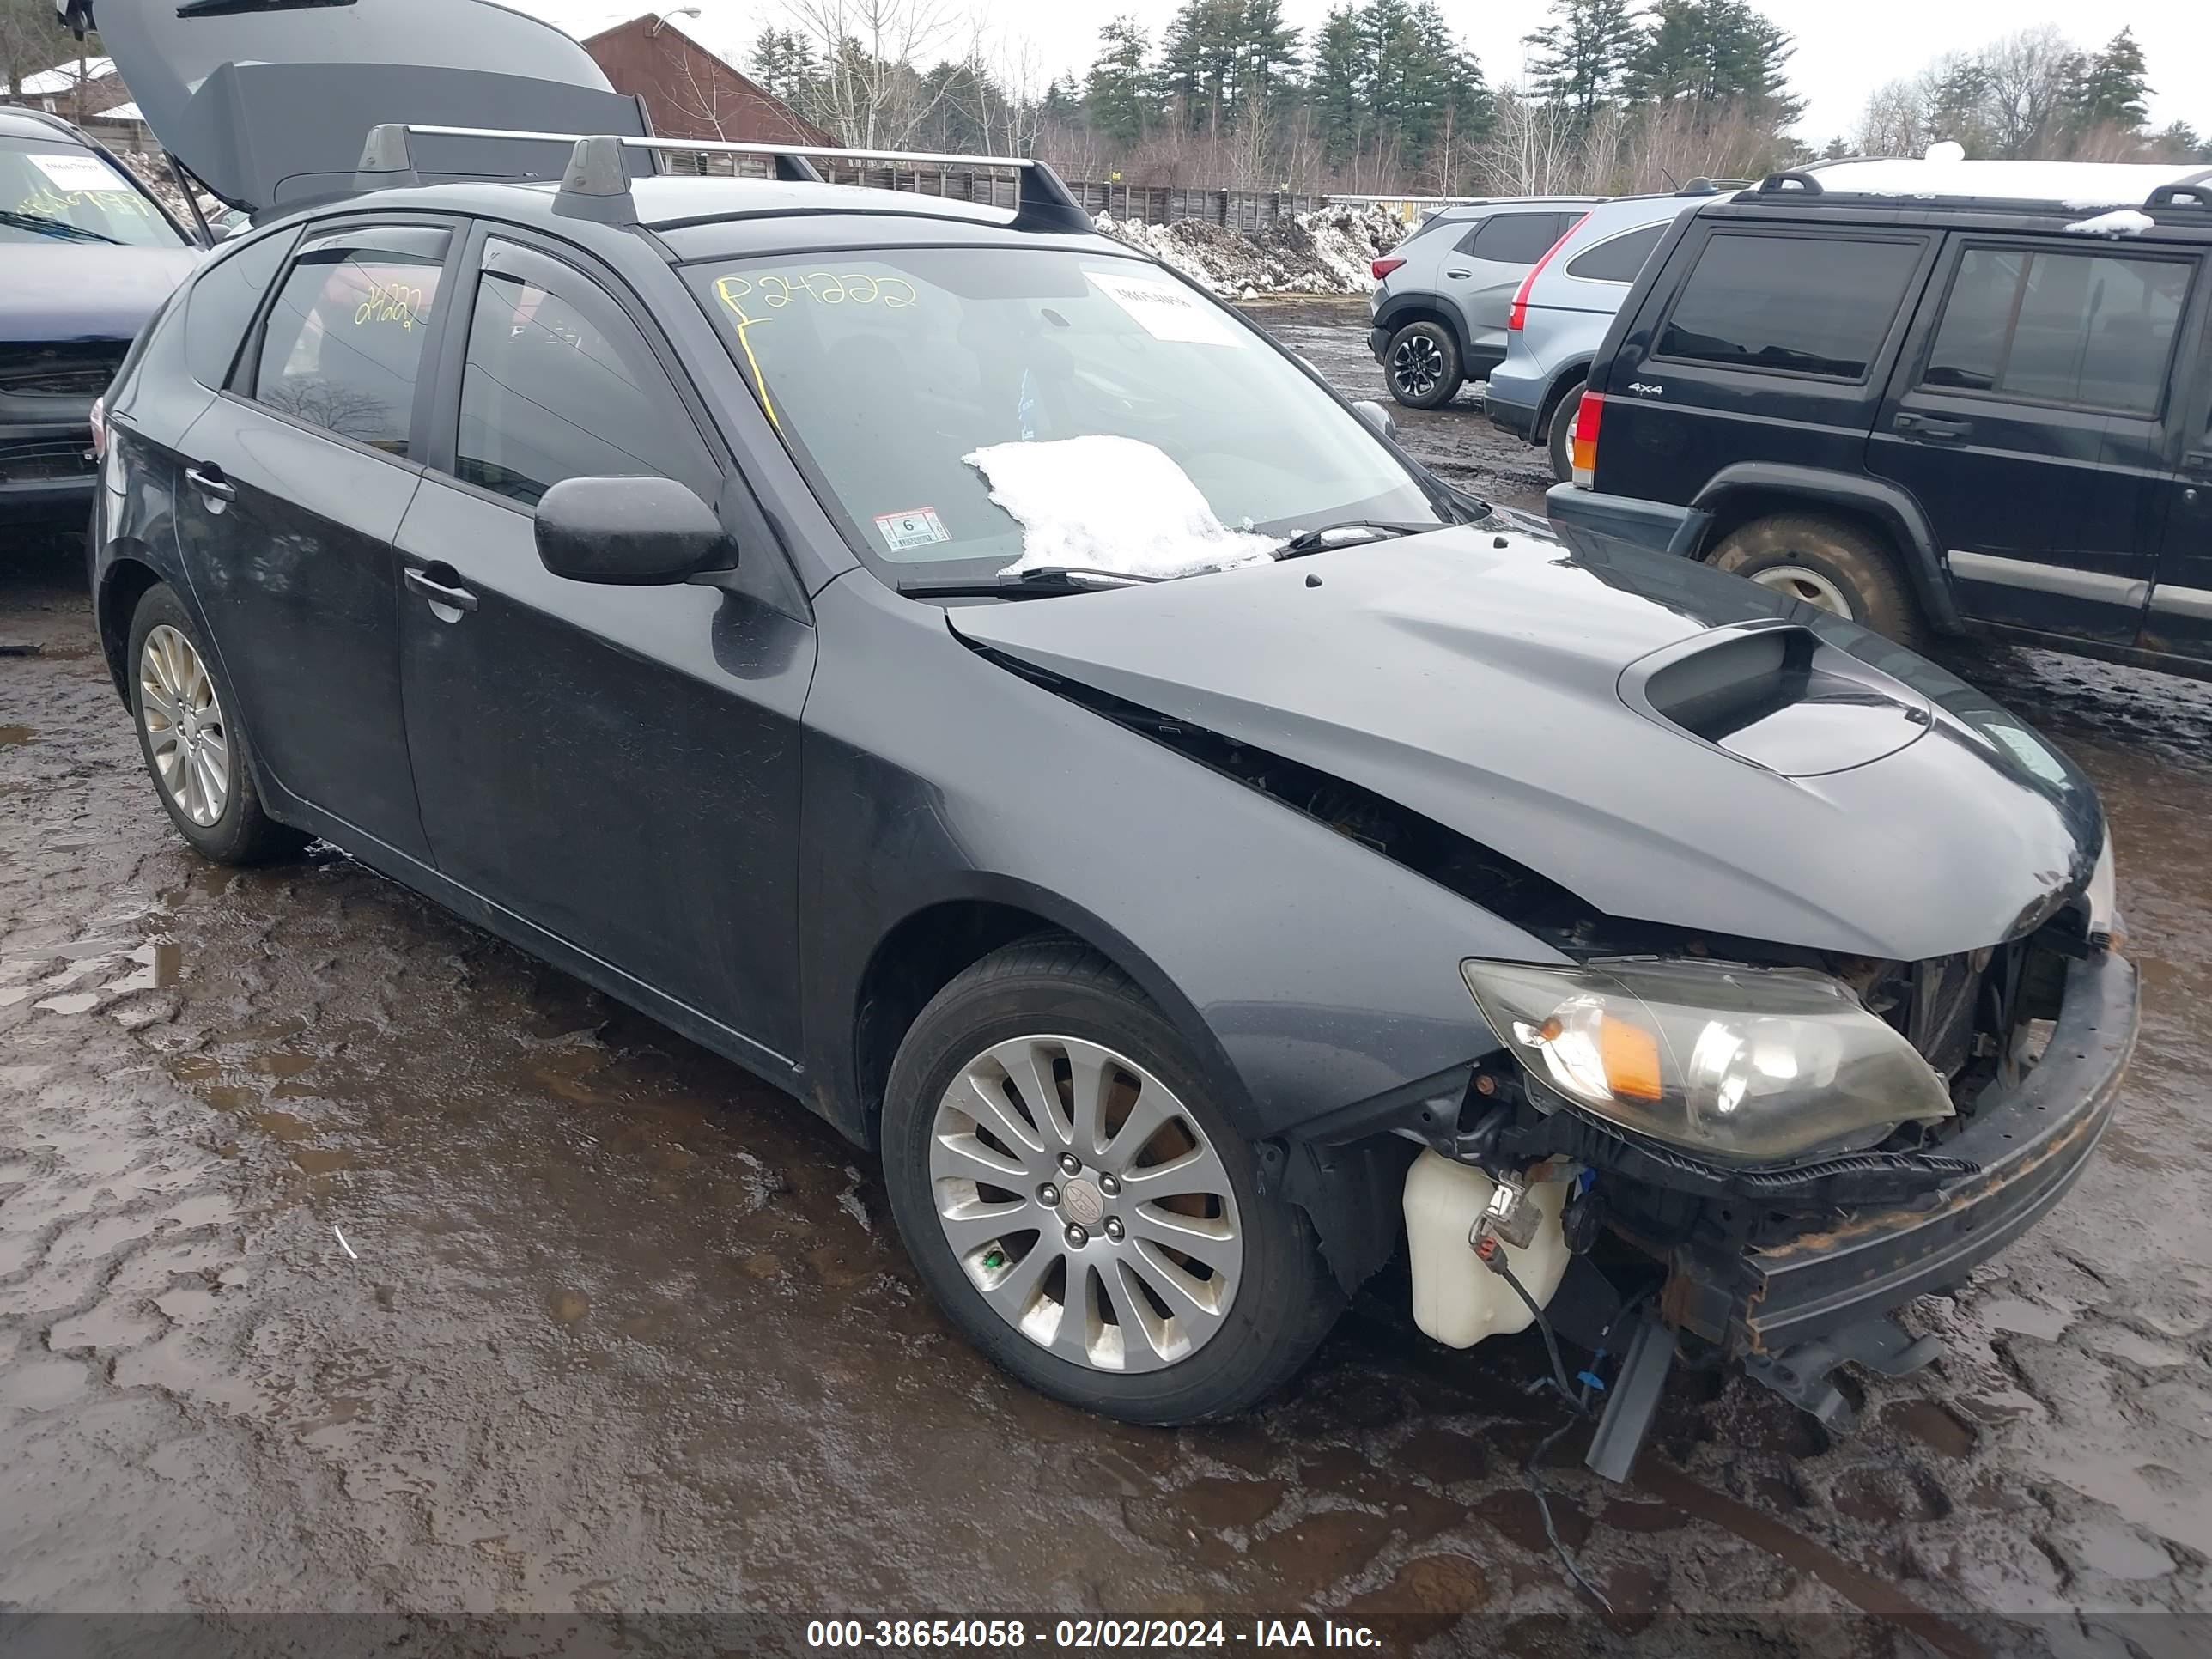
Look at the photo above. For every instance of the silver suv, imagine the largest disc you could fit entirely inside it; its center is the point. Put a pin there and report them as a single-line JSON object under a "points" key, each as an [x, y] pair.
{"points": [[1440, 308], [1566, 305]]}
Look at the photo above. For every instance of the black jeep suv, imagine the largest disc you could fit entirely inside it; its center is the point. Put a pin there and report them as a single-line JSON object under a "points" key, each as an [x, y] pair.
{"points": [[1929, 396]]}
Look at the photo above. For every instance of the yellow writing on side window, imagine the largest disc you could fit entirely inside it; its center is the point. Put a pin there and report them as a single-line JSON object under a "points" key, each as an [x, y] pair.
{"points": [[390, 302]]}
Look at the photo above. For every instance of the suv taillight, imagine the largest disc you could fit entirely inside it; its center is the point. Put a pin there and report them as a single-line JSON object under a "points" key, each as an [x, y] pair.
{"points": [[100, 428], [1517, 318], [1582, 448], [1384, 266]]}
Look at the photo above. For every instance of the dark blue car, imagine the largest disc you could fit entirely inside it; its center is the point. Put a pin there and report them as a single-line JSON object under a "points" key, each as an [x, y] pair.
{"points": [[90, 255]]}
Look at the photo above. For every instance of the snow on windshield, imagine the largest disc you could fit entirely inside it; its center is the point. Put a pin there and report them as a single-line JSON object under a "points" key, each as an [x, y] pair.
{"points": [[1110, 504]]}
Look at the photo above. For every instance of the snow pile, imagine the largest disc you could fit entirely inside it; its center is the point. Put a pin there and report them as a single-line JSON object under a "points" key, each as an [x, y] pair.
{"points": [[1153, 522], [1325, 251], [2121, 221]]}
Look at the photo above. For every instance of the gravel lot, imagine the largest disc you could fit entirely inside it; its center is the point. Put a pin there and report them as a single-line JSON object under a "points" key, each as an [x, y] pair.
{"points": [[350, 1259]]}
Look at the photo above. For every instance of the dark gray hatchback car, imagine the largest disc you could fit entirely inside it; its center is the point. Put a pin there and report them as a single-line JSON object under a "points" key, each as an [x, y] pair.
{"points": [[967, 677]]}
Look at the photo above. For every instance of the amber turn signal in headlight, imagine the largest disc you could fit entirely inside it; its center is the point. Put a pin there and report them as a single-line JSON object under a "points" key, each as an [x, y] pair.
{"points": [[1739, 1065]]}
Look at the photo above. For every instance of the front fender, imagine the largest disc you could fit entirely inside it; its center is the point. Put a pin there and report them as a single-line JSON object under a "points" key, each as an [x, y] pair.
{"points": [[1308, 972], [1888, 504]]}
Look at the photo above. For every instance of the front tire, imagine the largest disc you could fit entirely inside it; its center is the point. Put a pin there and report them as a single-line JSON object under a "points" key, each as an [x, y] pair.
{"points": [[189, 738], [1831, 565], [1423, 365], [1081, 1207]]}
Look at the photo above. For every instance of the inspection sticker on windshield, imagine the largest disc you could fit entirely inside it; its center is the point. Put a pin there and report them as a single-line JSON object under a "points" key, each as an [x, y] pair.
{"points": [[918, 528], [78, 173], [1165, 310]]}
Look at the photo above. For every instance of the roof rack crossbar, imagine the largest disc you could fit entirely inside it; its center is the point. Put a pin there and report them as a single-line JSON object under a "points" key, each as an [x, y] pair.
{"points": [[596, 184]]}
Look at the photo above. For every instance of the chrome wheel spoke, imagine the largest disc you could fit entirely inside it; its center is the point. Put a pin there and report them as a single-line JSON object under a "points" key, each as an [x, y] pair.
{"points": [[1012, 1289], [958, 1157], [1204, 1239], [1088, 1079], [1143, 1334], [974, 1222], [1197, 1173], [1076, 1335], [1186, 1296], [1032, 1077], [1153, 1108]]}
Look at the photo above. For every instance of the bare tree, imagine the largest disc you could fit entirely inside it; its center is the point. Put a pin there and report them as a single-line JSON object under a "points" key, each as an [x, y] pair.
{"points": [[1895, 119], [1532, 149], [2026, 77], [869, 93]]}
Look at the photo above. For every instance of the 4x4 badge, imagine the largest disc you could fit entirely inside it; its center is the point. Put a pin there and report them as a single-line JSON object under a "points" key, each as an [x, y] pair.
{"points": [[1647, 388]]}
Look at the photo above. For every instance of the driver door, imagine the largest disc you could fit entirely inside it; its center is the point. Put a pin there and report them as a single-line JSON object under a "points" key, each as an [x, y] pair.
{"points": [[618, 767]]}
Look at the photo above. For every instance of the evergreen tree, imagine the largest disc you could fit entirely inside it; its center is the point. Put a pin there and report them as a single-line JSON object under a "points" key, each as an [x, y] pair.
{"points": [[1837, 149], [2110, 87], [783, 65], [1267, 56], [1117, 94], [1583, 53], [1389, 79], [1710, 52], [1337, 87]]}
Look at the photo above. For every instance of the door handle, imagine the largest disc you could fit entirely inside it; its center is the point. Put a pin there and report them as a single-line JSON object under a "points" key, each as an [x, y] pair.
{"points": [[1933, 426], [211, 483], [2199, 463], [1458, 276], [438, 593]]}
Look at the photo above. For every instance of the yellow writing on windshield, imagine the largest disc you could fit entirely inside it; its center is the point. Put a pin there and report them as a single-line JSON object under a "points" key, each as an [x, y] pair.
{"points": [[733, 291], [822, 287]]}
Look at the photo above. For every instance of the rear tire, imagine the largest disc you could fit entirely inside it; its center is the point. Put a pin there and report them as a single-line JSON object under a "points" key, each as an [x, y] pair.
{"points": [[1099, 1322], [1423, 365], [189, 736], [1833, 566], [1562, 431]]}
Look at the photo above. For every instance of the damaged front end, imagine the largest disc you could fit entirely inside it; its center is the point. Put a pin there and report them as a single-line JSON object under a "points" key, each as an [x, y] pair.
{"points": [[1799, 1265]]}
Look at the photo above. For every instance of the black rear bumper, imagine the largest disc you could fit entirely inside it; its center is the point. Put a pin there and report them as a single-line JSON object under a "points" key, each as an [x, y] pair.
{"points": [[2030, 1145]]}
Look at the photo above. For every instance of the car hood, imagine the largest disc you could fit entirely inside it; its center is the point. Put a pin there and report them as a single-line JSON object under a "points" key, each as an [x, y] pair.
{"points": [[87, 290], [272, 104], [1671, 744]]}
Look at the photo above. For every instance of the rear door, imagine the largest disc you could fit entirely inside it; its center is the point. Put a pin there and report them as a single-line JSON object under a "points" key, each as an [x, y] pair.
{"points": [[2180, 619], [1485, 266], [2028, 418], [617, 766], [294, 484], [1771, 344]]}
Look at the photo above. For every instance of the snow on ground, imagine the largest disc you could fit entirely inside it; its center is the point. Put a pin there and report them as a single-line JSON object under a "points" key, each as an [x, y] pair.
{"points": [[1325, 251]]}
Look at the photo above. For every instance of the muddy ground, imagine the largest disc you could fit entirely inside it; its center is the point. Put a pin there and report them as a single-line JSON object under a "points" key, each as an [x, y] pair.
{"points": [[349, 1259]]}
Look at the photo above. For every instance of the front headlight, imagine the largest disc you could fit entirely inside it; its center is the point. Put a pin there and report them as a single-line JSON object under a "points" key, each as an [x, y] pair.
{"points": [[1739, 1065]]}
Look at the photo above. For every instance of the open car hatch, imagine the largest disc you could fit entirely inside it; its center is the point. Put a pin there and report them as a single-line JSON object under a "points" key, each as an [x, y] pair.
{"points": [[269, 102]]}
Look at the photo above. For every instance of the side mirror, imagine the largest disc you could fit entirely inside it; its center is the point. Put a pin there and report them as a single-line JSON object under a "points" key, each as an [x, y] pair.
{"points": [[632, 532], [1377, 416]]}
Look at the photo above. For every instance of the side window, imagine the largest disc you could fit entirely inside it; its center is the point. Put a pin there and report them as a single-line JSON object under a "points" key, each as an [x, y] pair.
{"points": [[560, 384], [2091, 331], [224, 302], [343, 347], [1808, 304], [1617, 259], [1514, 239]]}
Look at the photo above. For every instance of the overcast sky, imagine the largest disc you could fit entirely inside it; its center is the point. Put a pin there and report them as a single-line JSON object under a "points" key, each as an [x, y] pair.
{"points": [[1845, 48]]}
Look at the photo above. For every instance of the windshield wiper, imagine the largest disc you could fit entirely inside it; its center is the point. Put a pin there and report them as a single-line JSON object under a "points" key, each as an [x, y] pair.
{"points": [[1044, 579], [60, 227], [1339, 535]]}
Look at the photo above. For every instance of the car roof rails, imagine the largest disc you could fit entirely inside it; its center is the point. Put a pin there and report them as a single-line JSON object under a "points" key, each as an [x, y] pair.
{"points": [[2191, 190], [1702, 186], [597, 184]]}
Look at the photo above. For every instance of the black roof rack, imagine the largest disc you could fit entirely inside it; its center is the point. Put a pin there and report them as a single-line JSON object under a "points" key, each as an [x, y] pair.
{"points": [[2193, 191], [597, 184]]}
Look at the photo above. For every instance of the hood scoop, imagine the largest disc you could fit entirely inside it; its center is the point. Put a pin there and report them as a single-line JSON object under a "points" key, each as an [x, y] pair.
{"points": [[1778, 697]]}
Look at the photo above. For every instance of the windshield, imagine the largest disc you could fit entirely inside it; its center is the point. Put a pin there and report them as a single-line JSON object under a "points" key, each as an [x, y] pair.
{"points": [[61, 192], [935, 394]]}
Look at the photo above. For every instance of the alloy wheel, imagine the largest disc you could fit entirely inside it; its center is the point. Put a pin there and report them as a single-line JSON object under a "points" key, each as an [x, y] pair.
{"points": [[1416, 365], [186, 731], [1808, 586], [1085, 1203]]}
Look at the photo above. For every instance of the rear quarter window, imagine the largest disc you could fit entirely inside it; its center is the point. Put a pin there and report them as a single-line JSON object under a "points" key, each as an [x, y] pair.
{"points": [[1801, 305], [1618, 259], [224, 302], [1517, 238]]}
